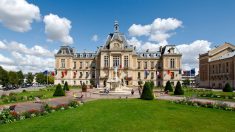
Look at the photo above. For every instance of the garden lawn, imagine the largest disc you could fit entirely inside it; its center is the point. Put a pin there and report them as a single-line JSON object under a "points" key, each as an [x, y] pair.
{"points": [[28, 96], [129, 115]]}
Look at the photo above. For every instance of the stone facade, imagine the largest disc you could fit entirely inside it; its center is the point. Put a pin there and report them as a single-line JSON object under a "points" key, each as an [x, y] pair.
{"points": [[158, 66], [216, 68]]}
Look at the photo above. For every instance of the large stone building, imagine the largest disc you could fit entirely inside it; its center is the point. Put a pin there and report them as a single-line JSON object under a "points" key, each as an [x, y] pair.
{"points": [[97, 67], [216, 67]]}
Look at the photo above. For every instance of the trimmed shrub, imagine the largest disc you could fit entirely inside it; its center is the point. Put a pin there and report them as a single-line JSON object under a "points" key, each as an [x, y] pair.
{"points": [[66, 87], [84, 87], [178, 89], [152, 84], [59, 91], [227, 88], [168, 87], [147, 93]]}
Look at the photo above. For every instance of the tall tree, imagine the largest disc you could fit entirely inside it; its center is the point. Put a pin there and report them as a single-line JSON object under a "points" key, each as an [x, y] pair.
{"points": [[41, 78], [13, 78], [30, 78], [4, 79], [20, 77]]}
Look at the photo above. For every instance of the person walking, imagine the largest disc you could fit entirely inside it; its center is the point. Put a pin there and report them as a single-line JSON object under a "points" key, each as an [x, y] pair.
{"points": [[132, 92]]}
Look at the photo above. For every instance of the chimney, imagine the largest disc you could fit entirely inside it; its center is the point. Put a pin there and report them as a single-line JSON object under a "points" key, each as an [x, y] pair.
{"points": [[160, 48]]}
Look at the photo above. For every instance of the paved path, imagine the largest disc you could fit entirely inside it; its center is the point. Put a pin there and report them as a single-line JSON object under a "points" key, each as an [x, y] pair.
{"points": [[88, 96]]}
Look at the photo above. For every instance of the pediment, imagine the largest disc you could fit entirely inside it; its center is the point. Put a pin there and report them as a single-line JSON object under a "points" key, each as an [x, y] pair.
{"points": [[223, 49]]}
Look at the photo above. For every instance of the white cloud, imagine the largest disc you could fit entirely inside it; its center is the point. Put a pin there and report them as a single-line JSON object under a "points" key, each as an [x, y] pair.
{"points": [[153, 46], [18, 15], [159, 37], [5, 60], [158, 30], [2, 45], [139, 30], [95, 38], [57, 29], [190, 53], [143, 46], [166, 24], [135, 42], [34, 59], [22, 48]]}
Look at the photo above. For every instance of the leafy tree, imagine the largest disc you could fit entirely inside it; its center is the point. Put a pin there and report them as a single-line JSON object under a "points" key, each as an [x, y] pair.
{"points": [[20, 77], [30, 78], [147, 93], [140, 82], [4, 78], [51, 79], [186, 82], [66, 87], [152, 84], [178, 89], [168, 86], [41, 78], [227, 88], [13, 78], [59, 91]]}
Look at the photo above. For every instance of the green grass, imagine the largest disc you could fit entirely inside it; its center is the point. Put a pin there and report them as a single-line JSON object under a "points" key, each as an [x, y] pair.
{"points": [[129, 115], [42, 93]]}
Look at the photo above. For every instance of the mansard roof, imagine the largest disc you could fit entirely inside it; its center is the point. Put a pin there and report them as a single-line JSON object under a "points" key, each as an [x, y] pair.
{"points": [[166, 50], [149, 54], [116, 36], [65, 50]]}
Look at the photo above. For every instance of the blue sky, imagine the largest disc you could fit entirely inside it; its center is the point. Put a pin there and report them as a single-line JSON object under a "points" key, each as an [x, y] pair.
{"points": [[208, 20]]}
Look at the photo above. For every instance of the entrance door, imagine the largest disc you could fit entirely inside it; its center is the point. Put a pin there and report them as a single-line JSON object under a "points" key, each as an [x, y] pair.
{"points": [[104, 83]]}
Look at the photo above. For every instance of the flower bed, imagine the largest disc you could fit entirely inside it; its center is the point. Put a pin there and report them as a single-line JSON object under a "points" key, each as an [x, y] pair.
{"points": [[216, 105], [7, 116], [210, 94]]}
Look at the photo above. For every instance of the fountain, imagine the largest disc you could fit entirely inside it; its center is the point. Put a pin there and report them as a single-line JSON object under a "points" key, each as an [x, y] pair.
{"points": [[115, 85]]}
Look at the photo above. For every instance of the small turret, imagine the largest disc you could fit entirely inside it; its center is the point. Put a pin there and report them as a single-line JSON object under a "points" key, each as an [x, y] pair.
{"points": [[116, 26]]}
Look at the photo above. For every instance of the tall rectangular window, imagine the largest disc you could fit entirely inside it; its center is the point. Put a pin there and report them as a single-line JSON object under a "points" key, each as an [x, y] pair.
{"points": [[62, 63], [145, 65], [87, 74], [138, 75], [126, 61], [80, 65], [116, 61], [87, 65], [152, 64], [80, 75], [106, 61], [138, 64], [74, 65], [227, 67], [152, 75], [172, 63]]}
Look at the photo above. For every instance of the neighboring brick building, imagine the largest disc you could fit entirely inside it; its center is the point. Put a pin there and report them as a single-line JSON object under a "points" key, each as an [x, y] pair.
{"points": [[158, 66], [216, 67]]}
